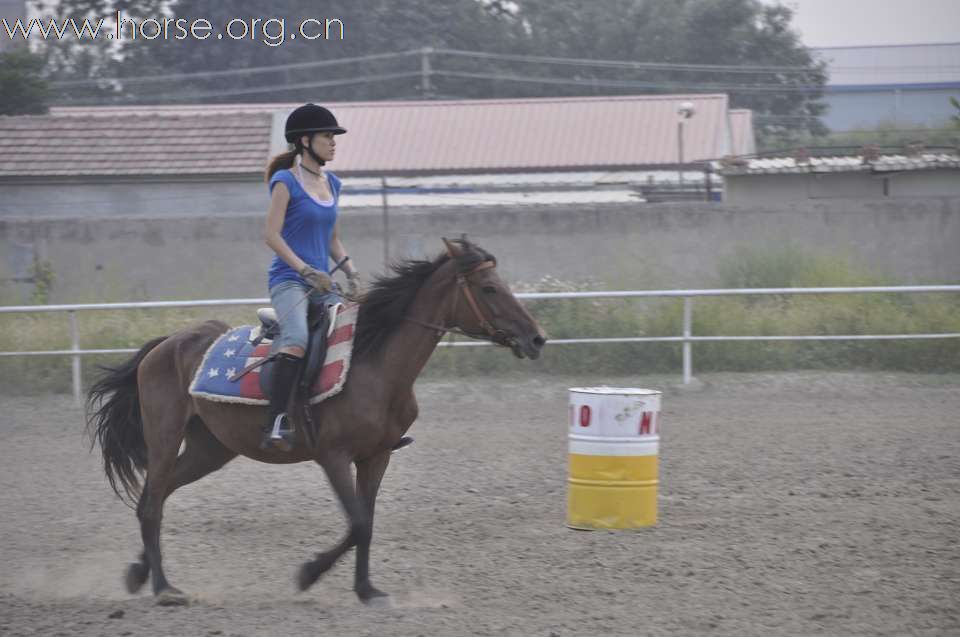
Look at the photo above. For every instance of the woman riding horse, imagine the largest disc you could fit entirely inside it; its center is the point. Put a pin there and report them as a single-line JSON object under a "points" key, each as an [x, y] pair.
{"points": [[142, 411]]}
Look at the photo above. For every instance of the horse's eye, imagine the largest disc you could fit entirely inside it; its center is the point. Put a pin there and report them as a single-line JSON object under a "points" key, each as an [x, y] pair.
{"points": [[489, 289]]}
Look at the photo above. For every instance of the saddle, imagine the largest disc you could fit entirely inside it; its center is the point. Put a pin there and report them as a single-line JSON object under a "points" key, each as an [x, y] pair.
{"points": [[319, 328]]}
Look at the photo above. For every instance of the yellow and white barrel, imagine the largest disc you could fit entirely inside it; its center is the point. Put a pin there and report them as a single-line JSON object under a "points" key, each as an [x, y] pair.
{"points": [[614, 442]]}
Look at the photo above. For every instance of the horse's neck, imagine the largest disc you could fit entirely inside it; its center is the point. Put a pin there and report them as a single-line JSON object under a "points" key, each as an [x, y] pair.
{"points": [[411, 344]]}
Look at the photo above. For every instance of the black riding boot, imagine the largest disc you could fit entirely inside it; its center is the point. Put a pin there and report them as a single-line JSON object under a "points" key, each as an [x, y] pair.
{"points": [[278, 430]]}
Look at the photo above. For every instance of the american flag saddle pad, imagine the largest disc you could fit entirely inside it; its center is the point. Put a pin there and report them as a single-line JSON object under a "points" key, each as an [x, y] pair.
{"points": [[230, 354]]}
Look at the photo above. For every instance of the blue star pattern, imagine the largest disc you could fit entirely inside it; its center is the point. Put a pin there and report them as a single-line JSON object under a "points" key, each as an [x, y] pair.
{"points": [[225, 358]]}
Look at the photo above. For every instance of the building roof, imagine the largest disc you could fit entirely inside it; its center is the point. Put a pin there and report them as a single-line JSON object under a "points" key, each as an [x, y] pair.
{"points": [[133, 144], [528, 134], [419, 137], [896, 65], [742, 139], [838, 164]]}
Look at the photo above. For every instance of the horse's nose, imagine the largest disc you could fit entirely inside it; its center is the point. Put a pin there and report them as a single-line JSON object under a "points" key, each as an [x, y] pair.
{"points": [[539, 341]]}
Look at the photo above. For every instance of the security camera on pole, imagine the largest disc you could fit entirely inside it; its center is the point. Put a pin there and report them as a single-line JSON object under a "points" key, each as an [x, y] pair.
{"points": [[685, 110]]}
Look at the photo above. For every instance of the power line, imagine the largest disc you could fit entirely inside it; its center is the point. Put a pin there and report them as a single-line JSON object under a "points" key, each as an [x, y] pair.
{"points": [[619, 64], [666, 66], [600, 83], [495, 76], [265, 89], [234, 72]]}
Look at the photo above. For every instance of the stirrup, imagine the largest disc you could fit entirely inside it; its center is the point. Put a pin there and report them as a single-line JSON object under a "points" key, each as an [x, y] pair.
{"points": [[280, 436]]}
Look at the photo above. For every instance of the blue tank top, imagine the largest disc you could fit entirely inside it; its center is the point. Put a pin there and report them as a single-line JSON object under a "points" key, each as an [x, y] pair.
{"points": [[307, 227]]}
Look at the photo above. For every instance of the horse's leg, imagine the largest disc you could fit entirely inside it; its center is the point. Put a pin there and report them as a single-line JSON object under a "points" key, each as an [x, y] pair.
{"points": [[311, 571], [165, 414], [369, 475], [138, 572], [202, 455], [338, 472], [359, 510]]}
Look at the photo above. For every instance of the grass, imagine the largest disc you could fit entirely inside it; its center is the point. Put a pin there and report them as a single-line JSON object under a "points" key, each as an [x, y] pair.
{"points": [[727, 316]]}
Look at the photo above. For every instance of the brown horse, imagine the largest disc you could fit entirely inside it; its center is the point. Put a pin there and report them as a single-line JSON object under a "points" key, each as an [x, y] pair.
{"points": [[141, 411]]}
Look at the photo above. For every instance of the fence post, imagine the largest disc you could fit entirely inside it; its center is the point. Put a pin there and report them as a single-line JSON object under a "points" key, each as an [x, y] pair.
{"points": [[687, 345], [75, 346]]}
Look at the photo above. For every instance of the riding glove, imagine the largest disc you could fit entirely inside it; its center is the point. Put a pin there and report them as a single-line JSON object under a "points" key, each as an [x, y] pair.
{"points": [[353, 284], [320, 281]]}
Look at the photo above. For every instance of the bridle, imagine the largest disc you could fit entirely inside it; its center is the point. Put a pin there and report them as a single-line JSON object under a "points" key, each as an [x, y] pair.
{"points": [[492, 334]]}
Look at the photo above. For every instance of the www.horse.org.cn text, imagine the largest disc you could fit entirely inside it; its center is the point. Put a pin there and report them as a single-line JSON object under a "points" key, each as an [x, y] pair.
{"points": [[272, 31]]}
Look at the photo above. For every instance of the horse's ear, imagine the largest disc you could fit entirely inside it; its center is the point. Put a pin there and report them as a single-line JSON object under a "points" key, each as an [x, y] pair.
{"points": [[452, 249]]}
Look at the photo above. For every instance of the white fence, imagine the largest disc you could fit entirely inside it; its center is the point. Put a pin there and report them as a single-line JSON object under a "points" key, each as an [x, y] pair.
{"points": [[686, 337]]}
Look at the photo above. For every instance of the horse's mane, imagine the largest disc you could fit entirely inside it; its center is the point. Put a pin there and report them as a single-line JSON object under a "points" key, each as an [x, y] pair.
{"points": [[385, 305]]}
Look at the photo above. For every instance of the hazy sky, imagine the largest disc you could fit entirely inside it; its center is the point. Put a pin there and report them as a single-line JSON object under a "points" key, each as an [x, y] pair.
{"points": [[864, 22]]}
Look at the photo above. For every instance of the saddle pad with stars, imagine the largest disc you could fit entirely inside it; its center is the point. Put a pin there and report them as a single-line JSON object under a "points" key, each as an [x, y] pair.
{"points": [[234, 351]]}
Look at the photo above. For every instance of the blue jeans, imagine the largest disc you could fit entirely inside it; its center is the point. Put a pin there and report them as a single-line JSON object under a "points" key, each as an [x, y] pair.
{"points": [[289, 302]]}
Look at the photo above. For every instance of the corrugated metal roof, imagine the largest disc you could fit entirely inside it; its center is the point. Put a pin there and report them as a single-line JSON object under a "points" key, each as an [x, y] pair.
{"points": [[850, 163], [134, 144], [422, 137], [742, 139], [892, 65], [528, 134]]}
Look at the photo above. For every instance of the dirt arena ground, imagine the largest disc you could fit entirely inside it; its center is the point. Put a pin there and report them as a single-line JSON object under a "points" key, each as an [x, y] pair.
{"points": [[790, 504]]}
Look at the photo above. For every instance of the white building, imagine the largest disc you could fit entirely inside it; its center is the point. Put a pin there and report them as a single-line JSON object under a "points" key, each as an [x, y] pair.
{"points": [[902, 86], [784, 180]]}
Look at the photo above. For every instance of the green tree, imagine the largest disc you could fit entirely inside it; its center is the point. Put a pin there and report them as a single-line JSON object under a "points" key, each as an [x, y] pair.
{"points": [[23, 89], [371, 27], [784, 94], [670, 46]]}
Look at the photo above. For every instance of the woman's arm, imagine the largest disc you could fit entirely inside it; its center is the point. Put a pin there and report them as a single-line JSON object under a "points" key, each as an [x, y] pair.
{"points": [[274, 225]]}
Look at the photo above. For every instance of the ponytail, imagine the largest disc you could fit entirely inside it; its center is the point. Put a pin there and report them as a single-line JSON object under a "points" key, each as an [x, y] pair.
{"points": [[281, 161]]}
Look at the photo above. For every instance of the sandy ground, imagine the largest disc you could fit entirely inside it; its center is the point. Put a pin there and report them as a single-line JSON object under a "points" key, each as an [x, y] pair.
{"points": [[796, 504]]}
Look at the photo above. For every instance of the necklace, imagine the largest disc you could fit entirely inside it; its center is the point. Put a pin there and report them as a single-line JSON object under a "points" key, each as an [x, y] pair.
{"points": [[313, 172]]}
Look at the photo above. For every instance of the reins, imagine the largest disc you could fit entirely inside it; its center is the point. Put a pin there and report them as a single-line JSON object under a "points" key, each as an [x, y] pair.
{"points": [[463, 284]]}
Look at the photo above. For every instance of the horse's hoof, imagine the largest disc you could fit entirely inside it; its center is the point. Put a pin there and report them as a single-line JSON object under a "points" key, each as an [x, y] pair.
{"points": [[373, 597], [308, 575], [136, 577], [172, 597], [378, 601]]}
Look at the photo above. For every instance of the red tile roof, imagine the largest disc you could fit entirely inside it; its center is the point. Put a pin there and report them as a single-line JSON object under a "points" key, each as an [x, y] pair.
{"points": [[133, 144]]}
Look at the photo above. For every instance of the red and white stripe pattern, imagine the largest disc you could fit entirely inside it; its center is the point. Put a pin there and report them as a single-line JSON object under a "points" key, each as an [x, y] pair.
{"points": [[336, 364]]}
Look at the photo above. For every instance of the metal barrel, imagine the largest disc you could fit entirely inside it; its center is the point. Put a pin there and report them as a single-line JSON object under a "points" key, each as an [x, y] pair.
{"points": [[614, 441]]}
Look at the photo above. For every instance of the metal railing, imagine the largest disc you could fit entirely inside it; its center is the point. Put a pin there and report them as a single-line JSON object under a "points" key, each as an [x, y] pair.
{"points": [[686, 337]]}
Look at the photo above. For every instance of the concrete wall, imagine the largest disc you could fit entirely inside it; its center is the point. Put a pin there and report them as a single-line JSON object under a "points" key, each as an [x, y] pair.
{"points": [[112, 198], [622, 246], [750, 190]]}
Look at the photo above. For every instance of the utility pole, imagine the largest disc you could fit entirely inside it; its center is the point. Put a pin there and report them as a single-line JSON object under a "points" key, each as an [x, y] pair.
{"points": [[680, 153], [426, 88], [386, 224], [685, 111]]}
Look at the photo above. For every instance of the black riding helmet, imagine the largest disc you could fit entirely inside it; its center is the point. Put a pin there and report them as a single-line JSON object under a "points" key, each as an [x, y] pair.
{"points": [[308, 120]]}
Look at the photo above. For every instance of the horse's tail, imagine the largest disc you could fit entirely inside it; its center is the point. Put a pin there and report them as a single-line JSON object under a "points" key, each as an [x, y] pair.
{"points": [[113, 408]]}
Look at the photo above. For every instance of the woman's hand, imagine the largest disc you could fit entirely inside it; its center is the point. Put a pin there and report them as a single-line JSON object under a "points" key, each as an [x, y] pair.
{"points": [[353, 284], [318, 280]]}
